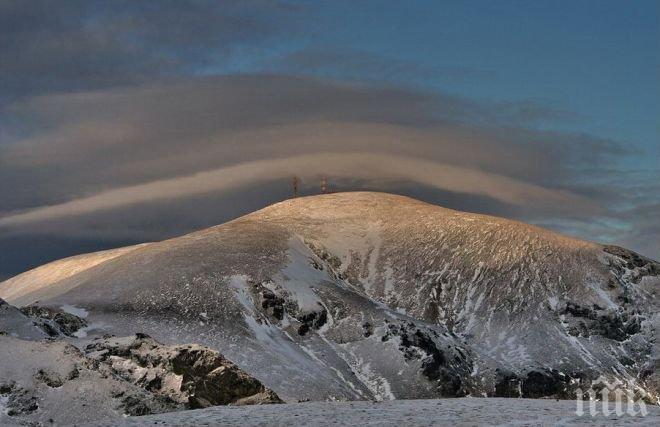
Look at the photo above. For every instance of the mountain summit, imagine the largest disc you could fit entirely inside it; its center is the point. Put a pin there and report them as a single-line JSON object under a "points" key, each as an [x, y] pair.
{"points": [[376, 296]]}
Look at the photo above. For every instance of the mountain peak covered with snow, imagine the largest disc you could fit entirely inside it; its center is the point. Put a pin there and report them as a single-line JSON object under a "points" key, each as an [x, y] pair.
{"points": [[376, 296]]}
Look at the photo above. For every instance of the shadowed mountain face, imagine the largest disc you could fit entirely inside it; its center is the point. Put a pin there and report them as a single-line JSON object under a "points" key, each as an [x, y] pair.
{"points": [[376, 296]]}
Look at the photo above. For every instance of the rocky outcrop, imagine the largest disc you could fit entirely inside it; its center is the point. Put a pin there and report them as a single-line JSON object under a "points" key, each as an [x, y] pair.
{"points": [[449, 371], [39, 378], [640, 265], [548, 383], [40, 373], [54, 321], [36, 323], [192, 375], [14, 323]]}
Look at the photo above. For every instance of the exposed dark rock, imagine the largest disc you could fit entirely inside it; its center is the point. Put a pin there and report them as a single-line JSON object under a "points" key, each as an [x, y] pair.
{"points": [[578, 311], [626, 361], [419, 344], [190, 374], [272, 304], [368, 329], [48, 327], [597, 321], [134, 406], [542, 384], [16, 323], [332, 262], [536, 384], [73, 374], [51, 379], [312, 320], [210, 379], [21, 402], [634, 260], [508, 385], [54, 321]]}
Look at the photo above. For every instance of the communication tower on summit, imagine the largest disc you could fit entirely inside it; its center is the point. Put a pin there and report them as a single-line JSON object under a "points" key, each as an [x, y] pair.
{"points": [[324, 185], [294, 183]]}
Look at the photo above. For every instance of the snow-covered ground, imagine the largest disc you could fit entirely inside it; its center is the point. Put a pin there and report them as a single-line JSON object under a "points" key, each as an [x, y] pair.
{"points": [[409, 413], [371, 296]]}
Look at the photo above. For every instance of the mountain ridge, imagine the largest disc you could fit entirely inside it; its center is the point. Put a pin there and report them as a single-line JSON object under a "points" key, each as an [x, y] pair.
{"points": [[111, 253], [370, 295]]}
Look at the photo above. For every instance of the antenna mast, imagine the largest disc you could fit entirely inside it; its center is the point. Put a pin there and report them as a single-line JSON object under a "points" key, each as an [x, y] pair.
{"points": [[324, 185], [294, 184]]}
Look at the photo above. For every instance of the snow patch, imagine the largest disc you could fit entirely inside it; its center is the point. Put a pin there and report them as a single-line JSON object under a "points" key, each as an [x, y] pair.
{"points": [[374, 237], [297, 277], [378, 385], [76, 311], [83, 332], [4, 400], [389, 280], [264, 332]]}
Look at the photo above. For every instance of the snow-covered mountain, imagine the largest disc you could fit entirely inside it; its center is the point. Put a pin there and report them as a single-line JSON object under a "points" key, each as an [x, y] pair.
{"points": [[42, 371], [375, 296]]}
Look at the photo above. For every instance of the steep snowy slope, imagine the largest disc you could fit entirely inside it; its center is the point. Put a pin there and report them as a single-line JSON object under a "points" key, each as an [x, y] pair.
{"points": [[370, 295]]}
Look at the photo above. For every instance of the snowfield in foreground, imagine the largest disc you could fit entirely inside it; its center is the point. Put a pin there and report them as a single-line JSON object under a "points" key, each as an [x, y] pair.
{"points": [[461, 411]]}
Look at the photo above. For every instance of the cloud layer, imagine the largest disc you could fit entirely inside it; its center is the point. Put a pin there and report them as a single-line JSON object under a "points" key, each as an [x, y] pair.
{"points": [[349, 165], [49, 46], [125, 121], [110, 149]]}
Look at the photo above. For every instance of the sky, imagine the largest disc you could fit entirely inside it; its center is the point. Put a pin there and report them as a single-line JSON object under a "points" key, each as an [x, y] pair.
{"points": [[129, 121]]}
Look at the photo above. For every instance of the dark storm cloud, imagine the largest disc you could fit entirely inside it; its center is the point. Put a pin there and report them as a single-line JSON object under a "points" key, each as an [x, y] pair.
{"points": [[49, 46]]}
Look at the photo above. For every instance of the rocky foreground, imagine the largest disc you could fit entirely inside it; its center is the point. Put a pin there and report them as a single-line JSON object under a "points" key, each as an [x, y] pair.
{"points": [[46, 379]]}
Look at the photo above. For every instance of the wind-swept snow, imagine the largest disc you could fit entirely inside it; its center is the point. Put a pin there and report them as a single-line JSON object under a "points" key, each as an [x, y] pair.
{"points": [[368, 295], [409, 413], [42, 278]]}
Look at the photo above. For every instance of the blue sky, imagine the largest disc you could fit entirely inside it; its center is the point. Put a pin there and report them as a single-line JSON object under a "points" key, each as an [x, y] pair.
{"points": [[549, 108], [597, 60]]}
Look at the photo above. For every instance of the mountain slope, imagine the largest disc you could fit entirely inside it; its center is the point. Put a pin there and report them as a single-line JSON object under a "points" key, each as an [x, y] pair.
{"points": [[370, 295], [41, 372]]}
